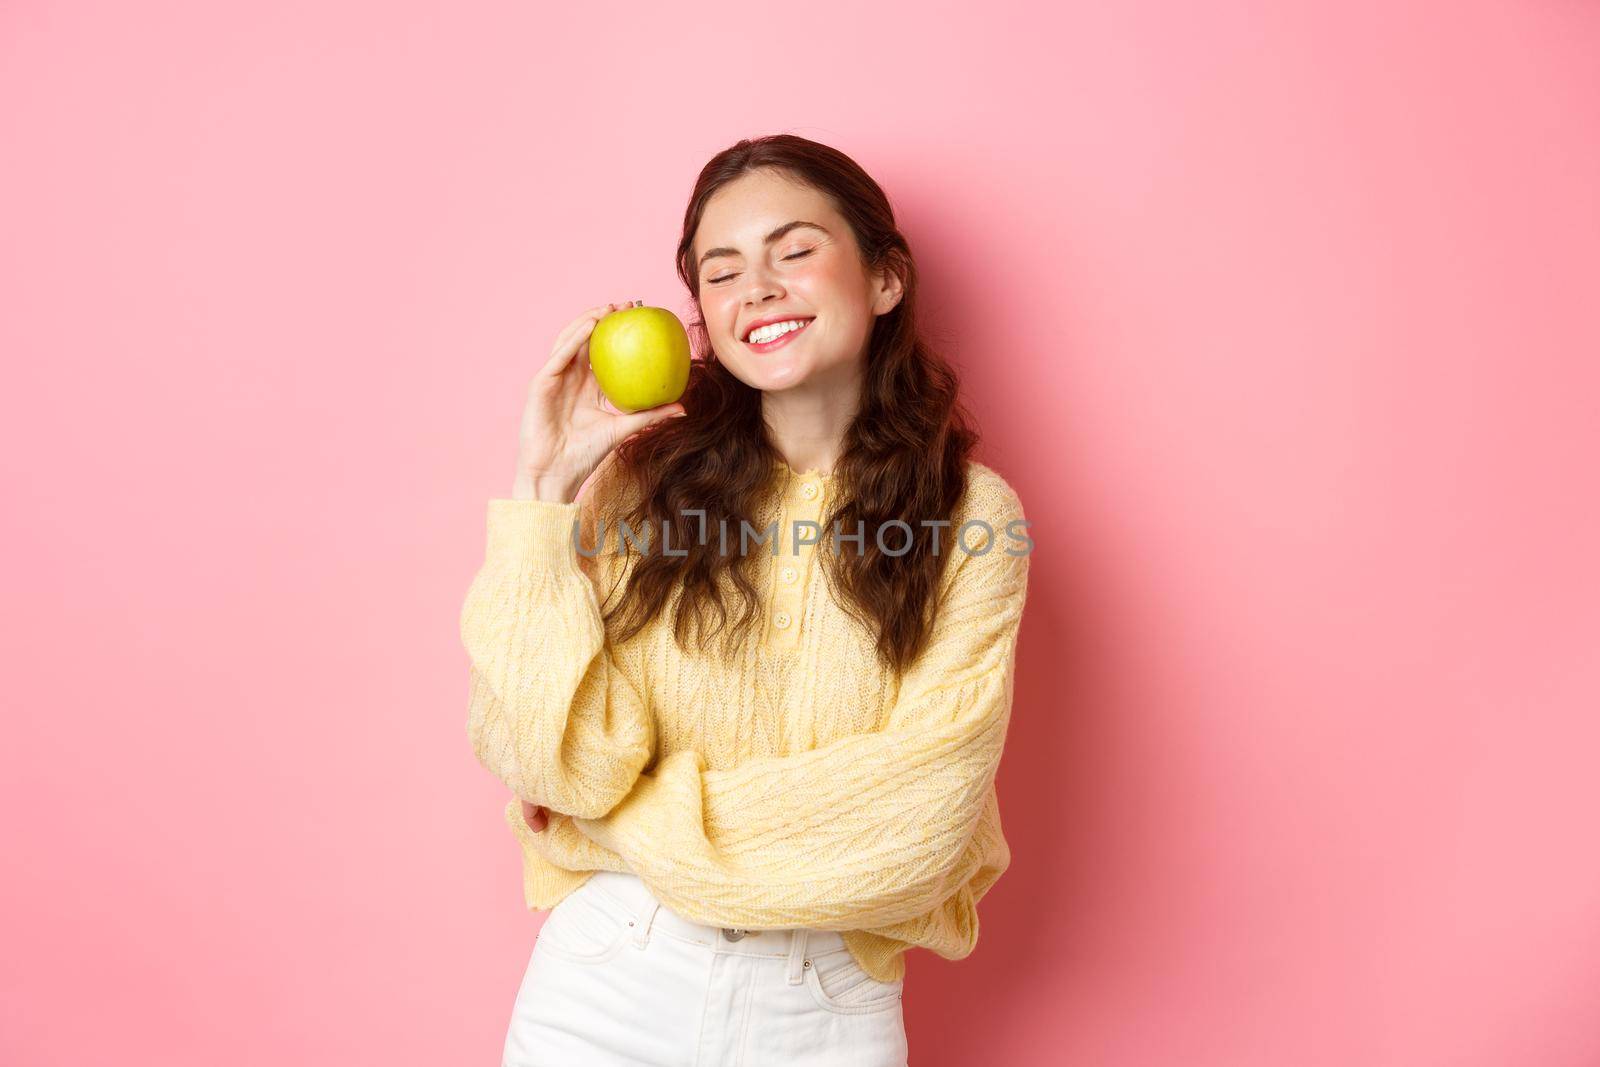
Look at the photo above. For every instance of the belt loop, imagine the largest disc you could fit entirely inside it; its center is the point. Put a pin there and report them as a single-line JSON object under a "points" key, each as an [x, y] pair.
{"points": [[644, 913], [797, 955]]}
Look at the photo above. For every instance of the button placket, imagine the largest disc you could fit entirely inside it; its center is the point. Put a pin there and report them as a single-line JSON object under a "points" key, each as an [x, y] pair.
{"points": [[788, 591]]}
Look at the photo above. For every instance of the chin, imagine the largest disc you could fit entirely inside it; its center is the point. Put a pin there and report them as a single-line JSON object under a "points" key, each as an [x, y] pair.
{"points": [[779, 381], [771, 377]]}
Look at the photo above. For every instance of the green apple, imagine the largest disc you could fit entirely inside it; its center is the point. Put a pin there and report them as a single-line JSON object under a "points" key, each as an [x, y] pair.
{"points": [[640, 357]]}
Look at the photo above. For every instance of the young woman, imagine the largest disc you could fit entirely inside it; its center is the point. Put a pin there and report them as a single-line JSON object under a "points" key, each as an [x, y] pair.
{"points": [[749, 774]]}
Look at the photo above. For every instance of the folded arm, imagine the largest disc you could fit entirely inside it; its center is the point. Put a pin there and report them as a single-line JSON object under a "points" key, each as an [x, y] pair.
{"points": [[551, 712], [869, 830]]}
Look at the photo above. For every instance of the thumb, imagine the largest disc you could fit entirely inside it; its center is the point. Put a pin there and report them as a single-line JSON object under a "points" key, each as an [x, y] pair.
{"points": [[638, 420]]}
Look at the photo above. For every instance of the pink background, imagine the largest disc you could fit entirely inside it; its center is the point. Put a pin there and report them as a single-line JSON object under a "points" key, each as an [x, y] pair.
{"points": [[1280, 317]]}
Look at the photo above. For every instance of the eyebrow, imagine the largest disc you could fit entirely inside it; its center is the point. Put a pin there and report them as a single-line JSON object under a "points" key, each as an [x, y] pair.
{"points": [[767, 240]]}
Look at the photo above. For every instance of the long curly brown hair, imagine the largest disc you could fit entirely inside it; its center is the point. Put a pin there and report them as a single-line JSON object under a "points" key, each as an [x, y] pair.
{"points": [[904, 456]]}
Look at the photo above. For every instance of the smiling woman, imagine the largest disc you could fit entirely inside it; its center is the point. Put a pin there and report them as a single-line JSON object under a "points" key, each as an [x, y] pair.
{"points": [[790, 802], [812, 256]]}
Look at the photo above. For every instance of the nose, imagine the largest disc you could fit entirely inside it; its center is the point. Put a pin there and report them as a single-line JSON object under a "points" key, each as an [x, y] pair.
{"points": [[761, 287]]}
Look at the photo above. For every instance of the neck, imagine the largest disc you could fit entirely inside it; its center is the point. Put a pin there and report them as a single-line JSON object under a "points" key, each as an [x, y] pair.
{"points": [[807, 423]]}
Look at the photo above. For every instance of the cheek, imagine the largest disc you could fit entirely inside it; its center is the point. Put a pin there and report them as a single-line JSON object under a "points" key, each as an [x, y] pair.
{"points": [[718, 314], [721, 316], [817, 279], [828, 285]]}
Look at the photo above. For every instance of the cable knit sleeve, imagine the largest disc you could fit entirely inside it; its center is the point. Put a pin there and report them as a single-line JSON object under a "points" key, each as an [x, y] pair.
{"points": [[871, 829], [551, 712]]}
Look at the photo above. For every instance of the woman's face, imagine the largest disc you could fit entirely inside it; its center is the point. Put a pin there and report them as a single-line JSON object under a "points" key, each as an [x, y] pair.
{"points": [[810, 272]]}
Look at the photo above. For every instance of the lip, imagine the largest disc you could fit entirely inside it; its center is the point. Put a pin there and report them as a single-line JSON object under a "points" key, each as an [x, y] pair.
{"points": [[779, 341], [768, 321]]}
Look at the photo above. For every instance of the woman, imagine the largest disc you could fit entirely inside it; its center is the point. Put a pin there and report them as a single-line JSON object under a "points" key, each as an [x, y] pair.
{"points": [[750, 774]]}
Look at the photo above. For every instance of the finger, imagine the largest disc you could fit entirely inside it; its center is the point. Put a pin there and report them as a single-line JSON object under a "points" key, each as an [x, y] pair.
{"points": [[598, 397], [587, 380], [633, 422], [599, 311], [576, 333], [566, 348], [579, 324]]}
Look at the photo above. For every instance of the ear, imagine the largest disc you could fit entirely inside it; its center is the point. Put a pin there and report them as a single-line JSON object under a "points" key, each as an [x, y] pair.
{"points": [[887, 290]]}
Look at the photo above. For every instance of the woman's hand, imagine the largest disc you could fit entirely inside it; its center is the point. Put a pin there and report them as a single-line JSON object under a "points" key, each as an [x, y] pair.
{"points": [[568, 425], [535, 816]]}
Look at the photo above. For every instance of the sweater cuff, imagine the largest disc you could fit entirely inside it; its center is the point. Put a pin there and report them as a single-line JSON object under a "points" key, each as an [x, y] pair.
{"points": [[533, 529]]}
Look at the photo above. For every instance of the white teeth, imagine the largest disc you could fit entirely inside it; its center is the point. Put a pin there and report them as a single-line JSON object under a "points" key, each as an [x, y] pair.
{"points": [[764, 334]]}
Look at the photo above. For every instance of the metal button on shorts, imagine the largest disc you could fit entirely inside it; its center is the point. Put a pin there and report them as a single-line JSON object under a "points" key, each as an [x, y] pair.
{"points": [[733, 934]]}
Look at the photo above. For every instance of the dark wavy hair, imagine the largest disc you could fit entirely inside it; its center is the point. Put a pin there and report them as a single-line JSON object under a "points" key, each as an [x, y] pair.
{"points": [[904, 455]]}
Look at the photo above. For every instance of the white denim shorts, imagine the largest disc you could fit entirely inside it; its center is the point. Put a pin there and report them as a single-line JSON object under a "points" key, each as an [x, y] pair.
{"points": [[616, 978]]}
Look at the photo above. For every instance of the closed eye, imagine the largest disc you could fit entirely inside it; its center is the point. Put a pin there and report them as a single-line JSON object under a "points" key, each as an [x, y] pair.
{"points": [[727, 277]]}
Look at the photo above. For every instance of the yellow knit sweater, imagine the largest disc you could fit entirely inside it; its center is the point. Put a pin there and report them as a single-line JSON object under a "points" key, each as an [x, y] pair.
{"points": [[799, 784]]}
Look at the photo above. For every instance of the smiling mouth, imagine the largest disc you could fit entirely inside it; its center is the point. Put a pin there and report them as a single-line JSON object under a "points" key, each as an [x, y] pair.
{"points": [[764, 346]]}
